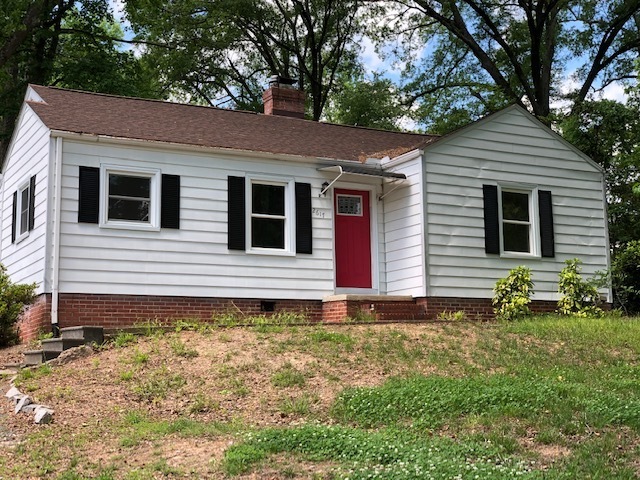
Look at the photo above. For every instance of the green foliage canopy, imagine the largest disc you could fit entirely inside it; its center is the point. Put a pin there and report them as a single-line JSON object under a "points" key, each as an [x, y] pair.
{"points": [[482, 54], [609, 132], [222, 52]]}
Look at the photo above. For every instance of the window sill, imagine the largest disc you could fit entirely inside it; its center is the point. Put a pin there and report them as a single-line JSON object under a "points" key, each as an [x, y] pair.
{"points": [[139, 227], [528, 256], [21, 238], [270, 251]]}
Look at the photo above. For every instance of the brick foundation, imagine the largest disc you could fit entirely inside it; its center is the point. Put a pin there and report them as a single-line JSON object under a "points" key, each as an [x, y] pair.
{"points": [[475, 308], [116, 311], [35, 319]]}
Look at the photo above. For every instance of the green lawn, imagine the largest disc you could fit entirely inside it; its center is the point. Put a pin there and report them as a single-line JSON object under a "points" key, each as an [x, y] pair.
{"points": [[570, 384], [546, 398]]}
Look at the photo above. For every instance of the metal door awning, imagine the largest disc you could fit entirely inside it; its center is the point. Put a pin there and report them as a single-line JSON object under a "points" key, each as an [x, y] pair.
{"points": [[397, 179]]}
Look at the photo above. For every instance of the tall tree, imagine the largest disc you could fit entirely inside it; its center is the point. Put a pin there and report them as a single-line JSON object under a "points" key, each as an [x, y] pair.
{"points": [[90, 57], [70, 43], [520, 50], [363, 102], [28, 41], [221, 52], [609, 132]]}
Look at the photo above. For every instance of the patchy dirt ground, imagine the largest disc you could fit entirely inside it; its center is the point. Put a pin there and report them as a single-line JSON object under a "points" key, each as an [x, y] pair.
{"points": [[236, 376], [169, 405]]}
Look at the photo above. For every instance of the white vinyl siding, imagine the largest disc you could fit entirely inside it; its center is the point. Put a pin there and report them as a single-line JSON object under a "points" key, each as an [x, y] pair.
{"points": [[404, 233], [28, 156], [509, 147], [194, 260]]}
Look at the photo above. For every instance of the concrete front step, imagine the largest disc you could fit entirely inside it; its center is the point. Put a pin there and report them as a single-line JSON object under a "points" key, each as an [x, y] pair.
{"points": [[383, 308], [61, 344], [88, 334], [37, 357], [33, 357], [71, 337]]}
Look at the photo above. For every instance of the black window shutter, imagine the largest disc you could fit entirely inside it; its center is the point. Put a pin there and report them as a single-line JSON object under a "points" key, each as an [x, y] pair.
{"points": [[88, 195], [304, 238], [546, 223], [236, 239], [170, 202], [491, 219], [14, 216], [32, 202]]}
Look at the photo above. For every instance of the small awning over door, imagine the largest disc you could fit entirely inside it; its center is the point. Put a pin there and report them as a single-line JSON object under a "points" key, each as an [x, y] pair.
{"points": [[397, 179]]}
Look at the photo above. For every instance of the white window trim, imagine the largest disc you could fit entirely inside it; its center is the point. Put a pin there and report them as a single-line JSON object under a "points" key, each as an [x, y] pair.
{"points": [[21, 236], [534, 220], [154, 191], [289, 214]]}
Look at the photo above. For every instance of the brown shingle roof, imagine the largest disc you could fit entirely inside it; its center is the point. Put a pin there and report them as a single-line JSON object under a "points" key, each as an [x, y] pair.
{"points": [[152, 120]]}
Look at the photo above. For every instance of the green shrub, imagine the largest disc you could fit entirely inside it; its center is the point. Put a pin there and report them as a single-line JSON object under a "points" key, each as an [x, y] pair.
{"points": [[13, 298], [512, 295], [578, 296], [625, 277]]}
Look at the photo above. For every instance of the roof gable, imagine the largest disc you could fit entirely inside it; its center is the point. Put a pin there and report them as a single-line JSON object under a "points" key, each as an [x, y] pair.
{"points": [[158, 121], [529, 118]]}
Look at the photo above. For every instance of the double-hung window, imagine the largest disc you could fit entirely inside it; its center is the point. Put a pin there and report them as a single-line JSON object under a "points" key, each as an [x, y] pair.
{"points": [[23, 210], [518, 220], [130, 198], [270, 215], [517, 226]]}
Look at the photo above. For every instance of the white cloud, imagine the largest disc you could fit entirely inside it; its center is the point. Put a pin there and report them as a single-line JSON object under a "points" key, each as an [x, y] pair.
{"points": [[615, 91], [370, 58]]}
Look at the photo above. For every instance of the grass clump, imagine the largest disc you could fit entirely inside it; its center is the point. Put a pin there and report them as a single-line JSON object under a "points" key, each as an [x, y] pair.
{"points": [[457, 316], [281, 318], [157, 385], [137, 426], [123, 339], [27, 377], [180, 349], [288, 376], [361, 316]]}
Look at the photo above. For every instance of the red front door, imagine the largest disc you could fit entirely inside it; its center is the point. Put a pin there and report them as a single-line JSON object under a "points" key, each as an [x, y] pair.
{"points": [[353, 239]]}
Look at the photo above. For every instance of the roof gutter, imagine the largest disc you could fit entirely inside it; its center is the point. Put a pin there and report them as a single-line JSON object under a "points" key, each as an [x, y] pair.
{"points": [[135, 142]]}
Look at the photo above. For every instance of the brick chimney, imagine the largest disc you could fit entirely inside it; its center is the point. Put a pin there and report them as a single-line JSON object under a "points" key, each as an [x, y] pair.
{"points": [[281, 98]]}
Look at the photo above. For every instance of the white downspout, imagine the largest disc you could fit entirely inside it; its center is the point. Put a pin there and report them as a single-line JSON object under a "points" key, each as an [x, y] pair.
{"points": [[56, 233]]}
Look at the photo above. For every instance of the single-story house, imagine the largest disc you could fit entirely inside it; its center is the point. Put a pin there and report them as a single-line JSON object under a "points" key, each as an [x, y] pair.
{"points": [[125, 209]]}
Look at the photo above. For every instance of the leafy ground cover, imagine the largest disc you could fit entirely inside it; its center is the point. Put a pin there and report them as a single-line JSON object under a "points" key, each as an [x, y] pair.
{"points": [[544, 398]]}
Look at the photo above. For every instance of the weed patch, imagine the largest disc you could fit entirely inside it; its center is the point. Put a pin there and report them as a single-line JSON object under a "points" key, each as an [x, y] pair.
{"points": [[288, 376], [157, 385], [386, 454]]}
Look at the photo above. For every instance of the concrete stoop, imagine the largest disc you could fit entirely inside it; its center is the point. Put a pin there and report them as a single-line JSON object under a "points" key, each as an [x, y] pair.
{"points": [[378, 308], [69, 337]]}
